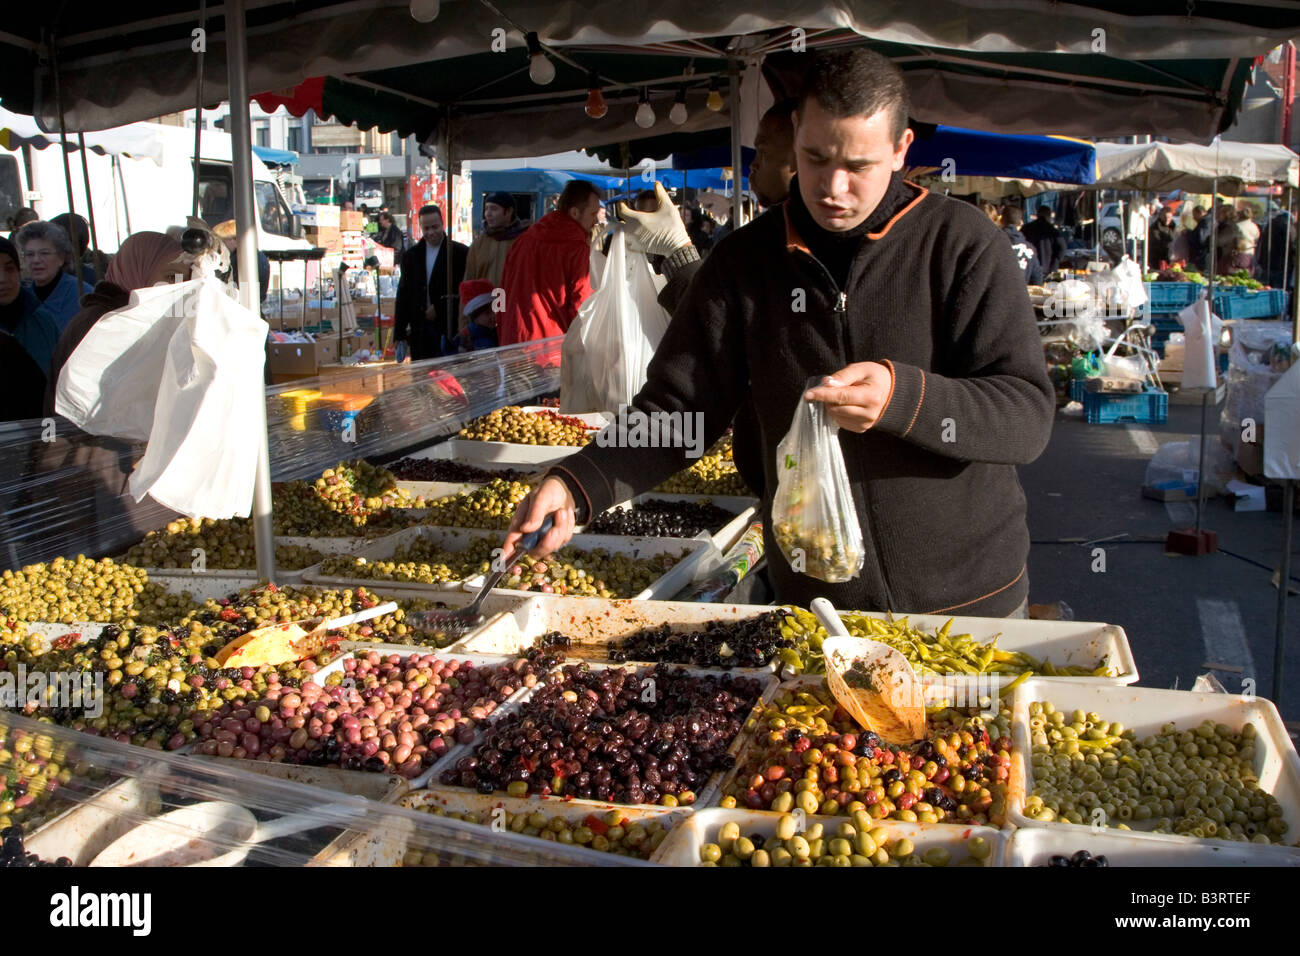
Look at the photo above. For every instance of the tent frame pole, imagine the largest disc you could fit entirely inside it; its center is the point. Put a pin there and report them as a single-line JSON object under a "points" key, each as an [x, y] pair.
{"points": [[63, 133], [90, 210], [737, 202], [451, 301], [1214, 372], [1288, 504], [1286, 245], [246, 231], [198, 132]]}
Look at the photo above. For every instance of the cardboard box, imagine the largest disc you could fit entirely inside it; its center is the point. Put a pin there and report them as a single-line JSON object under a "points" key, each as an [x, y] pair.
{"points": [[302, 359], [317, 215], [350, 220]]}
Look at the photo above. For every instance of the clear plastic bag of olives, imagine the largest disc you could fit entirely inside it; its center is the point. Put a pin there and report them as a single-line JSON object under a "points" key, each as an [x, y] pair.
{"points": [[814, 518]]}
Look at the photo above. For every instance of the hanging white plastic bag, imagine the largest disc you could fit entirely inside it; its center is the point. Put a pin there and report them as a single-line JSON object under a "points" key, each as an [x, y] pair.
{"points": [[181, 368], [1202, 330], [814, 518], [622, 324], [577, 390], [1130, 291]]}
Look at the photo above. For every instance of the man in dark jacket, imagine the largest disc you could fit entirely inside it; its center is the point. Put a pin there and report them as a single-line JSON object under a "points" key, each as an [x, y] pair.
{"points": [[1027, 258], [423, 325], [916, 303], [1160, 238], [1046, 239]]}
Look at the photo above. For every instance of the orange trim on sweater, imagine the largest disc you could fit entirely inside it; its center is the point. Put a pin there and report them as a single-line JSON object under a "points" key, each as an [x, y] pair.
{"points": [[902, 212], [919, 402], [1011, 583], [890, 397], [793, 241]]}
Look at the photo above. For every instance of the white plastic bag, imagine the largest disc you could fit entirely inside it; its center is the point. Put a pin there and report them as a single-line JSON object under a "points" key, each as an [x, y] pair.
{"points": [[814, 518], [1202, 329], [1130, 291], [621, 325], [181, 368]]}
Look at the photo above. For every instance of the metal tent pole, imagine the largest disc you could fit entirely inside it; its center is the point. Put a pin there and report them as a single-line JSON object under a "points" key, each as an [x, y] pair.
{"points": [[63, 132], [1288, 516], [1286, 245], [90, 210], [198, 126], [737, 203], [246, 230], [451, 322], [1205, 398]]}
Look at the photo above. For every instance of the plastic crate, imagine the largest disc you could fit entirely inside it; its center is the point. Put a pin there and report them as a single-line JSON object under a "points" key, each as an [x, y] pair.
{"points": [[1148, 408], [1076, 389], [1243, 304], [1171, 296]]}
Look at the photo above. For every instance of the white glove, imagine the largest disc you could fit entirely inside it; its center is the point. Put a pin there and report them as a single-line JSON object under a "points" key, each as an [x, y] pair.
{"points": [[658, 233]]}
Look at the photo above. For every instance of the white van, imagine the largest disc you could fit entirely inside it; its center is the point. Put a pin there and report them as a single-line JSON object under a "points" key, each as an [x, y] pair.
{"points": [[136, 194]]}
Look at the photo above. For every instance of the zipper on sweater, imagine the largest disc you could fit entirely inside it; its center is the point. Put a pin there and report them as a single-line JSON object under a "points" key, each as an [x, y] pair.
{"points": [[841, 309]]}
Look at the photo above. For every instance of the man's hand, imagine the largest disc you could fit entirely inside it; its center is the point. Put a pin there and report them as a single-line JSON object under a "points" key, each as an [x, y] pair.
{"points": [[855, 396], [658, 233], [550, 497]]}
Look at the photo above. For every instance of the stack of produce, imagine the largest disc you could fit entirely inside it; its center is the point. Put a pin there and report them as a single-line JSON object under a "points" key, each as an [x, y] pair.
{"points": [[714, 474], [443, 469], [751, 642], [67, 591], [938, 653], [227, 544], [613, 734], [423, 561], [808, 753], [609, 832], [491, 507], [661, 519], [381, 713], [353, 497], [1196, 782], [513, 424], [859, 843]]}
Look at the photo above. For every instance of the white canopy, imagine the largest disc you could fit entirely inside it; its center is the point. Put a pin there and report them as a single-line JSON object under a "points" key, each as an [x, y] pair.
{"points": [[139, 140], [1159, 167]]}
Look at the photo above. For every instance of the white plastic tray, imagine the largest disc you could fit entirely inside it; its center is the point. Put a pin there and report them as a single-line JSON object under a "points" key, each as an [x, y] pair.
{"points": [[1144, 710], [458, 539], [574, 811], [1035, 847], [323, 545], [433, 490], [595, 624], [505, 454], [1081, 643], [682, 848]]}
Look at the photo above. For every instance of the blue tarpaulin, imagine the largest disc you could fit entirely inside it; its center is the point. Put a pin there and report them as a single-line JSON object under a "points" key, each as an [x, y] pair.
{"points": [[969, 152], [275, 157]]}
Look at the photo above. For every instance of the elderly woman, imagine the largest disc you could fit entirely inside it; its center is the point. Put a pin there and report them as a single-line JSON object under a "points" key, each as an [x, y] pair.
{"points": [[21, 314], [46, 248], [144, 260]]}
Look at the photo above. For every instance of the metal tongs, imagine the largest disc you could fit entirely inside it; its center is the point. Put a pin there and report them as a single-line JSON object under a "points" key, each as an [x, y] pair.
{"points": [[472, 615]]}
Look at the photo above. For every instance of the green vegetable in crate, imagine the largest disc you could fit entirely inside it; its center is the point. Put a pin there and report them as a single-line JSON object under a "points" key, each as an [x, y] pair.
{"points": [[939, 654], [841, 844], [226, 544], [814, 517], [491, 507], [714, 474], [610, 832], [1197, 782]]}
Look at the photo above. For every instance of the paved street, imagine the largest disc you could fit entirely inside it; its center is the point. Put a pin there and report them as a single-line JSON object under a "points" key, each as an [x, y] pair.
{"points": [[1179, 612]]}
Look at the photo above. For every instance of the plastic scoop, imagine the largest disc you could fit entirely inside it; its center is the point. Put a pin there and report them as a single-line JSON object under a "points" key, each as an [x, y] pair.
{"points": [[472, 614], [871, 680], [292, 641], [204, 834]]}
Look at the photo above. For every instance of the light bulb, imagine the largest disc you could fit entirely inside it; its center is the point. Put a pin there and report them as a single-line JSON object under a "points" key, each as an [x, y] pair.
{"points": [[714, 102], [678, 113], [540, 69], [645, 115], [425, 11], [596, 105]]}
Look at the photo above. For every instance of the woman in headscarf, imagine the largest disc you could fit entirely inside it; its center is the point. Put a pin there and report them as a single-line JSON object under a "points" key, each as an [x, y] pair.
{"points": [[145, 259]]}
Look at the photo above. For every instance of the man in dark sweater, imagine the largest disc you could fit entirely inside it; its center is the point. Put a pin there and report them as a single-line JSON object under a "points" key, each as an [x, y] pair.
{"points": [[916, 303]]}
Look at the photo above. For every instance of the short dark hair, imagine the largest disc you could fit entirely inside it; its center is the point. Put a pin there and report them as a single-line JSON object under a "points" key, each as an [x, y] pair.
{"points": [[858, 83], [1012, 216], [431, 207], [1044, 212], [576, 193]]}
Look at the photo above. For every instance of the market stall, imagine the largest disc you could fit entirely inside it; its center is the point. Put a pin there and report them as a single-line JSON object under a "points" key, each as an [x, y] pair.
{"points": [[588, 718]]}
